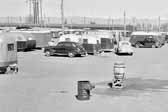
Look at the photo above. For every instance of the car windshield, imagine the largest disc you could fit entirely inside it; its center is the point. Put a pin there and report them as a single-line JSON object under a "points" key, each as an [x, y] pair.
{"points": [[125, 43], [67, 44], [60, 44], [79, 45]]}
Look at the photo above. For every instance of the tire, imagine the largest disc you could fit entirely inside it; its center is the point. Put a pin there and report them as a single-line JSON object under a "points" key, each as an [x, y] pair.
{"points": [[137, 45], [153, 46], [131, 54], [94, 52], [47, 53], [157, 45], [3, 71], [70, 54], [117, 51]]}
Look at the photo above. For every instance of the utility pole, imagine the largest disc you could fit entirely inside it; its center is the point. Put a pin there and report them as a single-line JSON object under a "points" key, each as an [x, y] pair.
{"points": [[109, 20], [134, 23], [84, 20], [71, 23], [112, 22], [159, 24], [124, 24], [30, 10], [41, 12], [62, 15]]}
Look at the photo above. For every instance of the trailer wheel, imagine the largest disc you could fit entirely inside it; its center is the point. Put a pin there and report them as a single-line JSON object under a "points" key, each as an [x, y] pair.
{"points": [[70, 54], [3, 70], [94, 52], [16, 69], [8, 70], [137, 45], [153, 46], [47, 53], [131, 54]]}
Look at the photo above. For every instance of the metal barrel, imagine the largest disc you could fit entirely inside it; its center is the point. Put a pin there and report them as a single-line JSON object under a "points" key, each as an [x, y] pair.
{"points": [[84, 88], [119, 70]]}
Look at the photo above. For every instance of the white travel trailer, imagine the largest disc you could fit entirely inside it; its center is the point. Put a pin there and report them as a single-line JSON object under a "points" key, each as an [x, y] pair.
{"points": [[8, 52], [71, 38], [91, 44]]}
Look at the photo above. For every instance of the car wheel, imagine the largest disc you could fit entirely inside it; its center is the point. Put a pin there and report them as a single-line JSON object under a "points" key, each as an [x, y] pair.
{"points": [[131, 54], [117, 51], [3, 70], [47, 53], [137, 45], [94, 52], [153, 46], [157, 45], [70, 54]]}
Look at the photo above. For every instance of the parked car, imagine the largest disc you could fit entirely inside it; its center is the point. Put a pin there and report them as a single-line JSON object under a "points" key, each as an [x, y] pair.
{"points": [[124, 47], [148, 43], [65, 48], [147, 39]]}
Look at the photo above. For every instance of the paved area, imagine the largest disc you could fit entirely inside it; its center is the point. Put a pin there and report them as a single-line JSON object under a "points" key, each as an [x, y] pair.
{"points": [[49, 84]]}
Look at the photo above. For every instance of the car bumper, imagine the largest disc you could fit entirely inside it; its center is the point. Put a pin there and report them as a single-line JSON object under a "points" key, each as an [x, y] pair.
{"points": [[126, 51], [83, 53]]}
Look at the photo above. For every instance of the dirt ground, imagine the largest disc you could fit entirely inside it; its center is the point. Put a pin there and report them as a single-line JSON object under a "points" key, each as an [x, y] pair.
{"points": [[49, 84]]}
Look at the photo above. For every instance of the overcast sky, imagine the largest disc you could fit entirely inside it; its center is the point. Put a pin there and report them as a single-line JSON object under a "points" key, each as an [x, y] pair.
{"points": [[91, 8]]}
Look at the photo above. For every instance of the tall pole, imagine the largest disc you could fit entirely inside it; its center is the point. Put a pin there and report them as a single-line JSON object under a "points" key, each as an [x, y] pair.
{"points": [[134, 23], [84, 20], [41, 12], [124, 24], [62, 15], [71, 23], [112, 24], [159, 24], [34, 12], [109, 20], [30, 9]]}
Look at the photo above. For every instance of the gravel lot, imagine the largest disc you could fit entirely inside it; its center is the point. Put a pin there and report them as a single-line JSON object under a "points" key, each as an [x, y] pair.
{"points": [[49, 84]]}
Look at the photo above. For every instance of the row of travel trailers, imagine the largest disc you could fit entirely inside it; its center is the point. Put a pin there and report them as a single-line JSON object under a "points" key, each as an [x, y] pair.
{"points": [[93, 40], [92, 43], [12, 41], [30, 39]]}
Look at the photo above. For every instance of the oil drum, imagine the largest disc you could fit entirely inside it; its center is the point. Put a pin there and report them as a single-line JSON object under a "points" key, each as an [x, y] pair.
{"points": [[119, 71], [84, 88]]}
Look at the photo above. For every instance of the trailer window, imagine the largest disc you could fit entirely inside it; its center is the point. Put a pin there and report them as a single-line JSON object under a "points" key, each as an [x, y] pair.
{"points": [[67, 44], [67, 39], [10, 47], [85, 41]]}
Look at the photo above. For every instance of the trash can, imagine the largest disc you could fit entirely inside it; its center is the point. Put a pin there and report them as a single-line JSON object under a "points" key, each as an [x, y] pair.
{"points": [[84, 88]]}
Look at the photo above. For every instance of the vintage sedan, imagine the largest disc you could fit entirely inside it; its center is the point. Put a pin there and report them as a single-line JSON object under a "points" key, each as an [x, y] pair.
{"points": [[65, 48], [124, 47]]}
